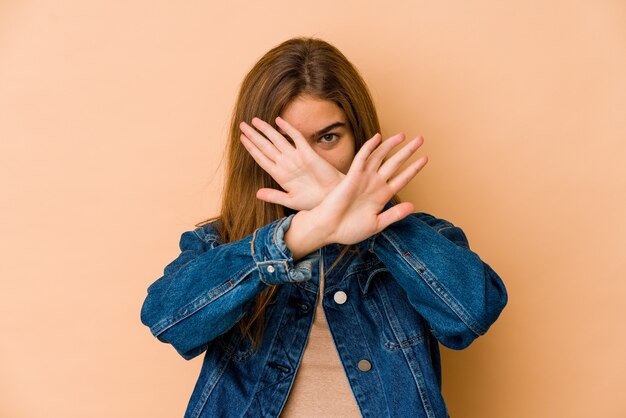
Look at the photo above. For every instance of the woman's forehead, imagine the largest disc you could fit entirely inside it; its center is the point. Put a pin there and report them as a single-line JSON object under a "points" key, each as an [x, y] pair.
{"points": [[312, 115]]}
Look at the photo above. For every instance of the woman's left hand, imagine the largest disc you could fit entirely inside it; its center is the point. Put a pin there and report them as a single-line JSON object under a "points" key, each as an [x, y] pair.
{"points": [[305, 176]]}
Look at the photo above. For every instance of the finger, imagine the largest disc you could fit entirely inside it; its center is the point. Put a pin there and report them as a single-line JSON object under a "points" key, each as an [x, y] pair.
{"points": [[273, 196], [392, 165], [262, 143], [387, 145], [358, 163], [265, 163], [394, 214], [293, 133], [268, 130], [402, 179]]}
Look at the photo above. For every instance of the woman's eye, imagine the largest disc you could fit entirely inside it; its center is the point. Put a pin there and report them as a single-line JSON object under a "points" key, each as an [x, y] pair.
{"points": [[329, 138]]}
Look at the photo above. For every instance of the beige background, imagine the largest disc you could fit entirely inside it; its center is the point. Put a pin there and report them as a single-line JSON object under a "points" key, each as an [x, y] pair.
{"points": [[113, 117]]}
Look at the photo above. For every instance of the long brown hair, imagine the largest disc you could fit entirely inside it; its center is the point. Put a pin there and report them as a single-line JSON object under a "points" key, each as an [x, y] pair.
{"points": [[301, 65]]}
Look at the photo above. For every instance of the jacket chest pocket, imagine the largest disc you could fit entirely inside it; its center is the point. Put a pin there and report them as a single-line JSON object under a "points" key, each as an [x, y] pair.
{"points": [[400, 325]]}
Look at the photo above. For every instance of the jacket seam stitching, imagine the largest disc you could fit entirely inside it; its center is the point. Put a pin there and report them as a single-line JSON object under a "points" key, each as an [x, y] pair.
{"points": [[200, 302], [437, 287]]}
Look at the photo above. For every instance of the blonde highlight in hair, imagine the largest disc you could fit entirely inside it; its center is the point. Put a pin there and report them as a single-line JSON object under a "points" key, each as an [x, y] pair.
{"points": [[298, 66]]}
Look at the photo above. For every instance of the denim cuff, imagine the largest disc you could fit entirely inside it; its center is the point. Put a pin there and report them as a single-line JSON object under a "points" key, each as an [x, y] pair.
{"points": [[274, 259]]}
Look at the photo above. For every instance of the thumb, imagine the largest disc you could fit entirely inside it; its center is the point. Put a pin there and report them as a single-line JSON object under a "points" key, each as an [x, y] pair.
{"points": [[394, 214], [273, 196]]}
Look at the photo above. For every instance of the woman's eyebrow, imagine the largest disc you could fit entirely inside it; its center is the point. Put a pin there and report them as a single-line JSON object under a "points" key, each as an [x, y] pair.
{"points": [[329, 128], [323, 130]]}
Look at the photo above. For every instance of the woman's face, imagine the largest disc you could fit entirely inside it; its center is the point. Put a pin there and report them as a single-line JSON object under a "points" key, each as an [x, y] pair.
{"points": [[325, 126]]}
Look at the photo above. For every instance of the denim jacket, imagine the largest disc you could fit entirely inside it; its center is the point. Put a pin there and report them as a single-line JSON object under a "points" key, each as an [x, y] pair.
{"points": [[388, 305]]}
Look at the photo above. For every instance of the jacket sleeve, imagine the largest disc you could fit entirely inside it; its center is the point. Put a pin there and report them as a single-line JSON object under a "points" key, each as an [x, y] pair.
{"points": [[458, 294], [209, 287]]}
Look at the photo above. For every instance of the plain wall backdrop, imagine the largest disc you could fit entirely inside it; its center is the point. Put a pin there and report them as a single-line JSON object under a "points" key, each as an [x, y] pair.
{"points": [[113, 121]]}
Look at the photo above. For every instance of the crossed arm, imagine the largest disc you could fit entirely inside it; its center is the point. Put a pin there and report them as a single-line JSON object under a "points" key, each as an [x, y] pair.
{"points": [[209, 286], [332, 207]]}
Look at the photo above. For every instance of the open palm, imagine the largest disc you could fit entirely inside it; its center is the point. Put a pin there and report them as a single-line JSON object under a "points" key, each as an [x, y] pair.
{"points": [[351, 212], [305, 177]]}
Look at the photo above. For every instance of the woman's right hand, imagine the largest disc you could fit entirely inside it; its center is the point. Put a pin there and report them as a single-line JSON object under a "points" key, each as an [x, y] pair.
{"points": [[351, 212]]}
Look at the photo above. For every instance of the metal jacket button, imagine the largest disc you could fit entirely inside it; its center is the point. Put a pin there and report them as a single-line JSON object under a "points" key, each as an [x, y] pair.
{"points": [[270, 269], [340, 297], [364, 365]]}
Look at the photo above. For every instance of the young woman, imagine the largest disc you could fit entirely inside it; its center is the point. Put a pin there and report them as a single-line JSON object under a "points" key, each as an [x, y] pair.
{"points": [[316, 292]]}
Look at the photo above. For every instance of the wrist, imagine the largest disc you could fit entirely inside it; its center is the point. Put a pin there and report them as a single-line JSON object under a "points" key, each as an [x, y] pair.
{"points": [[304, 234]]}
